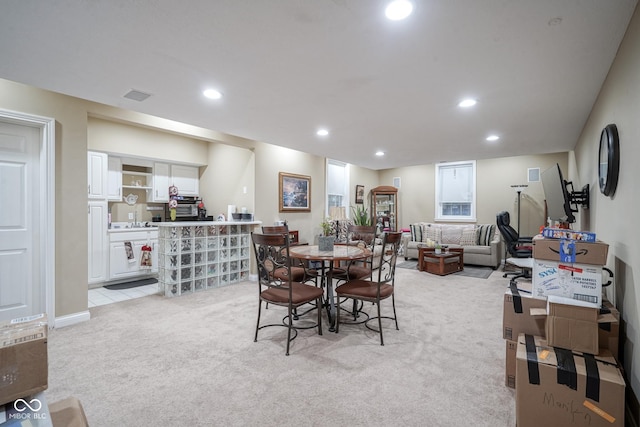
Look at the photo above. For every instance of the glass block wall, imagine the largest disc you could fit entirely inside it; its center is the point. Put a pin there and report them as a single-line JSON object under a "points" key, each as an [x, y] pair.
{"points": [[194, 258]]}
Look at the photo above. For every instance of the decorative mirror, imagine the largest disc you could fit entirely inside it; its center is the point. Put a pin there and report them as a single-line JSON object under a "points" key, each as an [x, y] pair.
{"points": [[609, 160]]}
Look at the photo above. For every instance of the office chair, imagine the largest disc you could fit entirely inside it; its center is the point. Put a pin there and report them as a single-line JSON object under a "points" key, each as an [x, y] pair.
{"points": [[519, 248]]}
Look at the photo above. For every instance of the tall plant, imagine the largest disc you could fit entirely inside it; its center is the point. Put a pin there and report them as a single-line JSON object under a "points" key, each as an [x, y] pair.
{"points": [[360, 215]]}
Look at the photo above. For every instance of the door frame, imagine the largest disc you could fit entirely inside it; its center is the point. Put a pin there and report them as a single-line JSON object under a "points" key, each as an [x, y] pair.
{"points": [[46, 201]]}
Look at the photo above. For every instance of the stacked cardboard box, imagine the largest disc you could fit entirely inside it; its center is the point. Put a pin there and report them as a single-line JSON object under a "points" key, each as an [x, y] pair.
{"points": [[23, 357], [562, 339]]}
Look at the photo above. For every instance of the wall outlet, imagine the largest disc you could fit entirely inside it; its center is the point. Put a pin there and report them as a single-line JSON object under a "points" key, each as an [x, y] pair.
{"points": [[130, 215]]}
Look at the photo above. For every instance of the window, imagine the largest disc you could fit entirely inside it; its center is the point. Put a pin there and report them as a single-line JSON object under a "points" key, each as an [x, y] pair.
{"points": [[456, 191], [337, 185]]}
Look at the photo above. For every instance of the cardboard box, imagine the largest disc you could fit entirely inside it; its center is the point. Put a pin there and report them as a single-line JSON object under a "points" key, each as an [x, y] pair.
{"points": [[571, 251], [580, 390], [609, 332], [571, 326], [562, 233], [516, 313], [510, 364], [581, 282], [23, 357], [68, 413]]}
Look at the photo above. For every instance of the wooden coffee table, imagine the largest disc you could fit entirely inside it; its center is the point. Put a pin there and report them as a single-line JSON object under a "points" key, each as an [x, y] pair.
{"points": [[440, 264]]}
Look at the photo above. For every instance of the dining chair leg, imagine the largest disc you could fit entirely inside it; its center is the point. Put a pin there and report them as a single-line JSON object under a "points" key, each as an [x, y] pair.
{"points": [[318, 302], [395, 316], [289, 330], [338, 315], [380, 324], [255, 339]]}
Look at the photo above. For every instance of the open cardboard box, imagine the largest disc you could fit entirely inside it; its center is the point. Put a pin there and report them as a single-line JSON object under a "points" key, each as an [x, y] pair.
{"points": [[572, 324]]}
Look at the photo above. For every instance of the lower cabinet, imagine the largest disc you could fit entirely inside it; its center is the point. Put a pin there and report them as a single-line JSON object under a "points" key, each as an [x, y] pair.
{"points": [[125, 254]]}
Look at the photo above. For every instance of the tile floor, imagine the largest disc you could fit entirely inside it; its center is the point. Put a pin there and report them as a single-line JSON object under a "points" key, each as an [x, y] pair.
{"points": [[102, 296]]}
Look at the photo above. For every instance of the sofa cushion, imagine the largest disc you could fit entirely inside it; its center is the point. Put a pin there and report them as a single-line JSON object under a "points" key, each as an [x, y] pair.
{"points": [[485, 234], [430, 231], [416, 232], [469, 237]]}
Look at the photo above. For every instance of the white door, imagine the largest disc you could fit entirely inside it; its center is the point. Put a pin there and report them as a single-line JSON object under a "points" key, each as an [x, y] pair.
{"points": [[21, 293]]}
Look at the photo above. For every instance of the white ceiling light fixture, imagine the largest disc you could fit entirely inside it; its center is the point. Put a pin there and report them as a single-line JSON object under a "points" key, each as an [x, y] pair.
{"points": [[492, 138], [379, 153], [322, 132], [212, 94], [466, 103], [398, 10]]}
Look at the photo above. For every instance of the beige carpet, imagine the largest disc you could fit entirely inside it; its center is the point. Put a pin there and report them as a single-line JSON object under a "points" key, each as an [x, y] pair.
{"points": [[191, 360]]}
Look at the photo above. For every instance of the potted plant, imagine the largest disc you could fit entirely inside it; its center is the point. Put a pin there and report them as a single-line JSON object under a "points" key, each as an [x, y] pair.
{"points": [[360, 215], [325, 241]]}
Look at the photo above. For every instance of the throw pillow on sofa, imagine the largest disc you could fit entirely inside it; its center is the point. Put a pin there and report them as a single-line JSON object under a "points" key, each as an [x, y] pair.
{"points": [[469, 237], [431, 232], [485, 234]]}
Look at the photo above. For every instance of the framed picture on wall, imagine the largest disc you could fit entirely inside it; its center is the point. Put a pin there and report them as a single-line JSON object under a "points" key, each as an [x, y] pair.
{"points": [[359, 194], [295, 192]]}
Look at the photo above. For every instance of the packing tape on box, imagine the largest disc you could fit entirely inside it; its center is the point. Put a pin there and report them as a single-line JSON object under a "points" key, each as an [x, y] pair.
{"points": [[593, 377], [566, 373], [517, 299], [566, 369], [532, 360]]}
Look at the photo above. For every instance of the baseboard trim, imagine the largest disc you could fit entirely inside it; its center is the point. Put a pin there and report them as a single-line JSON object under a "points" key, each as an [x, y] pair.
{"points": [[253, 277], [72, 319]]}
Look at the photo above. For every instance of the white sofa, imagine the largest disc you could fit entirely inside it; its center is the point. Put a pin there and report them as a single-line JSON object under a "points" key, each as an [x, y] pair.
{"points": [[482, 243]]}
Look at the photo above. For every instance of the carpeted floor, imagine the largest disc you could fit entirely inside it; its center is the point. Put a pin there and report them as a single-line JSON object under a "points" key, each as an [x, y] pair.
{"points": [[191, 360]]}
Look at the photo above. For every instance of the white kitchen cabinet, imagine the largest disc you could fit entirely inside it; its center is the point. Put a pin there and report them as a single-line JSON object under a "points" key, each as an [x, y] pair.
{"points": [[97, 241], [187, 179], [160, 191], [114, 180], [120, 267], [97, 175]]}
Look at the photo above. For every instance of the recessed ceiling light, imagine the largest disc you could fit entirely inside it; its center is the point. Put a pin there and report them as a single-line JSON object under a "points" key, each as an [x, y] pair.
{"points": [[212, 94], [466, 103], [379, 153], [493, 138], [398, 9], [322, 132]]}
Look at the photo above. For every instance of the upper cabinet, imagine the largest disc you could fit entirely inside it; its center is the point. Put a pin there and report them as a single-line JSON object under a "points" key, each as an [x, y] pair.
{"points": [[384, 205], [187, 179], [114, 181], [97, 173], [160, 192]]}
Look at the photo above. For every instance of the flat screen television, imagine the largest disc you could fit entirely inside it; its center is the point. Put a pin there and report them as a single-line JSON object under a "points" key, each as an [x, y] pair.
{"points": [[557, 195]]}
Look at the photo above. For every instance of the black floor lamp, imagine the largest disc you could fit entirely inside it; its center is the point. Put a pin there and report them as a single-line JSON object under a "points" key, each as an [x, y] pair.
{"points": [[519, 188]]}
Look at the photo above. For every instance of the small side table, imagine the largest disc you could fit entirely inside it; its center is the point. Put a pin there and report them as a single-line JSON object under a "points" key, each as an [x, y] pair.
{"points": [[440, 264]]}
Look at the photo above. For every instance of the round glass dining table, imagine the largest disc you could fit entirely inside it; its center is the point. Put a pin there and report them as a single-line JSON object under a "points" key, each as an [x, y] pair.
{"points": [[328, 260]]}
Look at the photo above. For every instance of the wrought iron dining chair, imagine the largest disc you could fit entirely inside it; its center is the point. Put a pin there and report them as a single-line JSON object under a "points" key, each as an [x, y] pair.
{"points": [[362, 236], [375, 290], [298, 272], [272, 253]]}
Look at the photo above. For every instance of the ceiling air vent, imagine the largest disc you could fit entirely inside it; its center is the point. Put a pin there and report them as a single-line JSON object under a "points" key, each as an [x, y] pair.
{"points": [[136, 95]]}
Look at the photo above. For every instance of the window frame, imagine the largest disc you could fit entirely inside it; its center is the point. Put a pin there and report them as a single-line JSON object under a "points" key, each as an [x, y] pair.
{"points": [[346, 195], [439, 216]]}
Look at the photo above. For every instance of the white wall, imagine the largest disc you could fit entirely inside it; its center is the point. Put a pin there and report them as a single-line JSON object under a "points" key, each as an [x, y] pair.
{"points": [[613, 219]]}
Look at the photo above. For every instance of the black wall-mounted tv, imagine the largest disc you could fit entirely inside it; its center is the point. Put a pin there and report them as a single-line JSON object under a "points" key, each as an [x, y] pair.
{"points": [[557, 195]]}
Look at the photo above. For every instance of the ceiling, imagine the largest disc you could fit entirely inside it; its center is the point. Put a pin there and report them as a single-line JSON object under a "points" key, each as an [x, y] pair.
{"points": [[289, 67]]}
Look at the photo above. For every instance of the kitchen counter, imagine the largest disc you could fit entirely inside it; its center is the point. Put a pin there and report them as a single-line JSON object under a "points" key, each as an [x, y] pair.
{"points": [[190, 223], [123, 229]]}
